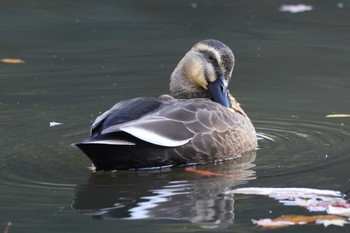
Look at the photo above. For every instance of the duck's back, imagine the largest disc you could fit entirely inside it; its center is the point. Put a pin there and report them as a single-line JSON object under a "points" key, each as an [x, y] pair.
{"points": [[153, 132]]}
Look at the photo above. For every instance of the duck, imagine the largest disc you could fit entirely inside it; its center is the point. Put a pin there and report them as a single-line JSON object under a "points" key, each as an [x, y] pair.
{"points": [[200, 122]]}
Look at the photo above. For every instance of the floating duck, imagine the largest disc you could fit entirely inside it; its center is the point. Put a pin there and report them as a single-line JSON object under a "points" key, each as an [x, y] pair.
{"points": [[200, 123]]}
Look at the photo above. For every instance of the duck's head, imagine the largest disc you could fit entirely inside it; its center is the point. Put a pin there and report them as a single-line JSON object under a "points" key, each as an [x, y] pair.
{"points": [[204, 72]]}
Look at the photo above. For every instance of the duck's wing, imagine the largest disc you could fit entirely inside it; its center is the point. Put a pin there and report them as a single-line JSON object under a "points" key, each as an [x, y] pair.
{"points": [[162, 122], [126, 111]]}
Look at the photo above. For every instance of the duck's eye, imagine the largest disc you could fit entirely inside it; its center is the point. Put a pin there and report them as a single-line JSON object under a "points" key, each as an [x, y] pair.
{"points": [[211, 58]]}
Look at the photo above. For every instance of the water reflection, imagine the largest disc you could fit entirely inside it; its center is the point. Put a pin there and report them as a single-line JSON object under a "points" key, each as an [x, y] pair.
{"points": [[173, 194]]}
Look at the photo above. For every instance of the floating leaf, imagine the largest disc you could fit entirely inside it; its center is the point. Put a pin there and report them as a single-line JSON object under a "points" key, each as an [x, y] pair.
{"points": [[12, 61], [337, 115], [311, 199], [328, 201], [271, 223], [286, 191], [288, 220], [205, 173]]}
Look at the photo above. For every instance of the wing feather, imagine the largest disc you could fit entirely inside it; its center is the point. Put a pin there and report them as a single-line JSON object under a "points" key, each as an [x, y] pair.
{"points": [[174, 123]]}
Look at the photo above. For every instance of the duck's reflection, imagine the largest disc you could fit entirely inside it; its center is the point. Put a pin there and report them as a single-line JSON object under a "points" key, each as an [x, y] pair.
{"points": [[174, 194]]}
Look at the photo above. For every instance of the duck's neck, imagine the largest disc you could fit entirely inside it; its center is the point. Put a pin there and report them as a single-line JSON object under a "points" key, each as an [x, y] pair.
{"points": [[182, 88]]}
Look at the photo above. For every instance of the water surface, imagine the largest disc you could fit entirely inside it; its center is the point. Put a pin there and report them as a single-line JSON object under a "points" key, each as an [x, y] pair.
{"points": [[82, 57]]}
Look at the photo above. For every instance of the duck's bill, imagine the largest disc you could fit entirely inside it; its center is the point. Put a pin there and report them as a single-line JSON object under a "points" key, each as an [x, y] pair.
{"points": [[219, 92]]}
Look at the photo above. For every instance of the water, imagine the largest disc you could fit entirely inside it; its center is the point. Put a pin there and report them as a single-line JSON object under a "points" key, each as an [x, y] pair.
{"points": [[82, 57]]}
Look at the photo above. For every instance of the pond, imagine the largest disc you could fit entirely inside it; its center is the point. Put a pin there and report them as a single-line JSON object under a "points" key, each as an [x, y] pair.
{"points": [[78, 58]]}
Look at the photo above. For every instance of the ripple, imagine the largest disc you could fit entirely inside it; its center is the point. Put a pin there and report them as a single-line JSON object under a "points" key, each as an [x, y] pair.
{"points": [[286, 146], [36, 164], [297, 145]]}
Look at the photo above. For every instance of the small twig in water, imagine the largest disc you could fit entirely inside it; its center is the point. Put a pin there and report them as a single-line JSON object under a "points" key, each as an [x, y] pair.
{"points": [[7, 228]]}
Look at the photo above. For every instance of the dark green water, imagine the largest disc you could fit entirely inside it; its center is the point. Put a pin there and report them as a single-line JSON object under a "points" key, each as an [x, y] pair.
{"points": [[81, 57]]}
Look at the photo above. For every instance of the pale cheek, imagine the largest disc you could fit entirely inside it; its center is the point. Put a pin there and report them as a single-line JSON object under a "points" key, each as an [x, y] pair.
{"points": [[211, 74], [195, 73]]}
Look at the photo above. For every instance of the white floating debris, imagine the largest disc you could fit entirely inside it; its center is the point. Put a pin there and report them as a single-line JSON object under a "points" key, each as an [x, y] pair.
{"points": [[279, 191], [335, 222], [329, 201], [52, 124], [343, 211], [340, 5], [296, 8], [194, 5], [312, 199]]}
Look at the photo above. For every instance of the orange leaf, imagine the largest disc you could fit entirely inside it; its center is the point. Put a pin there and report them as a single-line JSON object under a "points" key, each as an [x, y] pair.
{"points": [[12, 61], [297, 219], [288, 220], [205, 173]]}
